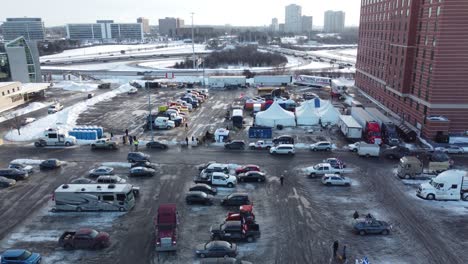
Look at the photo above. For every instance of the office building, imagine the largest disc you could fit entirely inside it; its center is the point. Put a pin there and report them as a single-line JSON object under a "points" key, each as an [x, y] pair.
{"points": [[5, 75], [412, 62], [281, 27], [168, 26], [145, 23], [293, 19], [105, 30], [29, 28], [23, 60], [274, 25], [307, 23], [334, 21]]}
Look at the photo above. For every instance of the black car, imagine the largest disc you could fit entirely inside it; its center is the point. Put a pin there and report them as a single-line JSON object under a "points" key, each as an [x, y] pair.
{"points": [[284, 139], [144, 163], [137, 156], [14, 174], [142, 172], [201, 187], [5, 182], [257, 176], [396, 152], [235, 144], [197, 197], [236, 199], [156, 145], [216, 249], [50, 164]]}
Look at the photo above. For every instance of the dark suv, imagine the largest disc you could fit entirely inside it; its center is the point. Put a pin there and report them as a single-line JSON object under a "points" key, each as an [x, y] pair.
{"points": [[137, 156], [284, 139], [235, 144], [14, 174], [236, 199]]}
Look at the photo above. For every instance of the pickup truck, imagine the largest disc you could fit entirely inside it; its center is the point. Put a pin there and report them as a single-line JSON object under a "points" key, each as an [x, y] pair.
{"points": [[84, 238], [235, 230], [322, 169], [261, 144], [104, 144], [216, 178]]}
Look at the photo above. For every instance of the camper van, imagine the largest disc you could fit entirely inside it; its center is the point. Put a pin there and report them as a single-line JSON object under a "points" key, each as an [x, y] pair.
{"points": [[94, 197]]}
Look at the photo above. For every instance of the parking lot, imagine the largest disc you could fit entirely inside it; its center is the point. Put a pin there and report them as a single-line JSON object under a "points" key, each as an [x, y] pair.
{"points": [[298, 221]]}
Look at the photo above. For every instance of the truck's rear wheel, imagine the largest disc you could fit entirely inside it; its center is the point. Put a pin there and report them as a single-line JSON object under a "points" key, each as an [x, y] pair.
{"points": [[407, 176], [121, 209], [250, 239], [430, 196], [312, 175], [465, 197], [67, 144], [230, 185]]}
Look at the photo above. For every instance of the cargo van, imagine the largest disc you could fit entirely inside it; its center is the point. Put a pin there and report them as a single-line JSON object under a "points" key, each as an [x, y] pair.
{"points": [[368, 150]]}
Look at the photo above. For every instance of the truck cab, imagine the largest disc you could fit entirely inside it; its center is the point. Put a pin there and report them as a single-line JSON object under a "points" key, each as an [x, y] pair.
{"points": [[166, 223], [163, 123], [373, 134], [55, 137], [410, 167], [449, 185]]}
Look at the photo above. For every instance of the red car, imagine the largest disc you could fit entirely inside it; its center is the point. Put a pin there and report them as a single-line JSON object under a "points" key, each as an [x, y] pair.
{"points": [[84, 238], [247, 168], [245, 215]]}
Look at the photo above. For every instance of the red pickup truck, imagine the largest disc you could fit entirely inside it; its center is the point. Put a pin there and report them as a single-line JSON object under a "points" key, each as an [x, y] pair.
{"points": [[166, 227], [85, 238]]}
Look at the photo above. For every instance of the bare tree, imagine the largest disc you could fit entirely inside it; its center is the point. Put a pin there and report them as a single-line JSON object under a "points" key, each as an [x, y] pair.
{"points": [[16, 122]]}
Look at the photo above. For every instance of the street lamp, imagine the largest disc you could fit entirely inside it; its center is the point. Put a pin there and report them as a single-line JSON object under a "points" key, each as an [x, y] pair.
{"points": [[150, 118]]}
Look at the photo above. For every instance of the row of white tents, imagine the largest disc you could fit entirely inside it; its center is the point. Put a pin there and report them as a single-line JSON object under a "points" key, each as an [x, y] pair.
{"points": [[309, 113]]}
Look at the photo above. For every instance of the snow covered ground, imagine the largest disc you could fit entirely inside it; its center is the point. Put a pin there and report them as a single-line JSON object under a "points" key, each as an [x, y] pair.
{"points": [[348, 55], [65, 119], [22, 111], [76, 86]]}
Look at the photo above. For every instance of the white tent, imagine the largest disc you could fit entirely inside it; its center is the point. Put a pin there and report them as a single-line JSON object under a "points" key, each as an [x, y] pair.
{"points": [[328, 114], [307, 114], [275, 115]]}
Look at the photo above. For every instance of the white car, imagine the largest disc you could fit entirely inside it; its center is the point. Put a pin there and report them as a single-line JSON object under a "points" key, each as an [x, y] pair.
{"points": [[354, 147], [285, 149], [335, 179], [452, 149]]}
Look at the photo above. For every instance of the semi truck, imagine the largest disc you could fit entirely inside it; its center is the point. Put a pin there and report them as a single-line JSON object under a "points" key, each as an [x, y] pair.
{"points": [[273, 80], [165, 224], [371, 128], [449, 185], [313, 81], [387, 127], [350, 127], [411, 167], [55, 137]]}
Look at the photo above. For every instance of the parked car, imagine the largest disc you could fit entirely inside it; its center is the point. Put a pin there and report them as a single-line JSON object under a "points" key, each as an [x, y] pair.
{"points": [[235, 144], [6, 182], [236, 199], [27, 168], [103, 170], [20, 256], [84, 238], [396, 152], [287, 149], [335, 163], [372, 226], [156, 145], [452, 149], [257, 176], [322, 145], [110, 179], [335, 179], [216, 249], [202, 187], [284, 139], [132, 90], [261, 144], [137, 156], [198, 197], [50, 164], [142, 171], [205, 165], [105, 144], [247, 168], [144, 163], [14, 174], [82, 181]]}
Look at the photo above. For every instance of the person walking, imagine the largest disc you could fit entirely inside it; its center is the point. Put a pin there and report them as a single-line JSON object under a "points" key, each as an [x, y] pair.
{"points": [[281, 180], [343, 257], [356, 215], [130, 140], [186, 141], [126, 132], [186, 126], [335, 248], [135, 143]]}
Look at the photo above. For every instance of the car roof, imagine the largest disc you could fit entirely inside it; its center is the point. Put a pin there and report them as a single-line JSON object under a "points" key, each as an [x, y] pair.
{"points": [[254, 172], [286, 145], [220, 243], [201, 185], [195, 193], [238, 194], [103, 167], [84, 231], [11, 253]]}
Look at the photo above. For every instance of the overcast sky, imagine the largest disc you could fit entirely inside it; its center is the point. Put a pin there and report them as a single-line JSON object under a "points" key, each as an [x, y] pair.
{"points": [[207, 12]]}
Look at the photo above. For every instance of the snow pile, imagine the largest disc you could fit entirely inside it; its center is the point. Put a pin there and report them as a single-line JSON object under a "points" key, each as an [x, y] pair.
{"points": [[22, 111], [76, 87], [65, 119]]}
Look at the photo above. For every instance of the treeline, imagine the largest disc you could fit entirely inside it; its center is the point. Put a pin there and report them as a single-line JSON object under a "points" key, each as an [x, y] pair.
{"points": [[247, 56], [57, 46]]}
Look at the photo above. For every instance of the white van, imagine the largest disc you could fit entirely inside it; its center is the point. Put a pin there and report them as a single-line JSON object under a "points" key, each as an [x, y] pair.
{"points": [[368, 150], [94, 197], [286, 149], [54, 108]]}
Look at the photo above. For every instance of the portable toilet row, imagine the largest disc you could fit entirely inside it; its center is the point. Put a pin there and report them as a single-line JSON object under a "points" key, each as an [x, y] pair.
{"points": [[84, 134], [99, 130]]}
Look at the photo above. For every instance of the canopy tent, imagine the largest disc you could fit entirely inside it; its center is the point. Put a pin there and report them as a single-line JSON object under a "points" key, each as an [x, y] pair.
{"points": [[328, 114], [307, 114], [275, 115]]}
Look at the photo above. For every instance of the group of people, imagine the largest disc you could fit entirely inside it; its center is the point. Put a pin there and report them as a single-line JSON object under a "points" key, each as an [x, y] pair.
{"points": [[194, 141], [341, 257], [132, 140]]}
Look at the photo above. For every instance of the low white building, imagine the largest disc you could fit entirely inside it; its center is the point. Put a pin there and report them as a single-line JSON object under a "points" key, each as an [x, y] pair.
{"points": [[13, 94]]}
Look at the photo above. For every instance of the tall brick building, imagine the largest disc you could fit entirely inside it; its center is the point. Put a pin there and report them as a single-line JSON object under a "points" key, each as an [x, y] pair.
{"points": [[413, 59]]}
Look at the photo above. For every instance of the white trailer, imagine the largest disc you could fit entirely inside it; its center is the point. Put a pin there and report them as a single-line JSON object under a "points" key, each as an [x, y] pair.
{"points": [[226, 81], [94, 197], [350, 128], [314, 81], [273, 80]]}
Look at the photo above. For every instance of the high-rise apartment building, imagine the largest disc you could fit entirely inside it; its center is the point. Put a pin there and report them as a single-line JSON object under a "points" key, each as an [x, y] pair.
{"points": [[145, 23], [105, 30], [29, 28], [412, 61], [307, 23], [168, 26], [274, 25], [293, 19], [334, 21]]}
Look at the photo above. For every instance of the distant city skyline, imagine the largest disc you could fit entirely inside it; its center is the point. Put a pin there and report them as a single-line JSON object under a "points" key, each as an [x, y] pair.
{"points": [[207, 12]]}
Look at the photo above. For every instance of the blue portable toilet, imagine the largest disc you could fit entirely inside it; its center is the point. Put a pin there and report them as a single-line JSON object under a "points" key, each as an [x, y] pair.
{"points": [[317, 102]]}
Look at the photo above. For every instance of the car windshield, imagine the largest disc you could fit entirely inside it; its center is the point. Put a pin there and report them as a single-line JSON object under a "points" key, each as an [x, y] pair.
{"points": [[26, 254], [129, 195]]}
